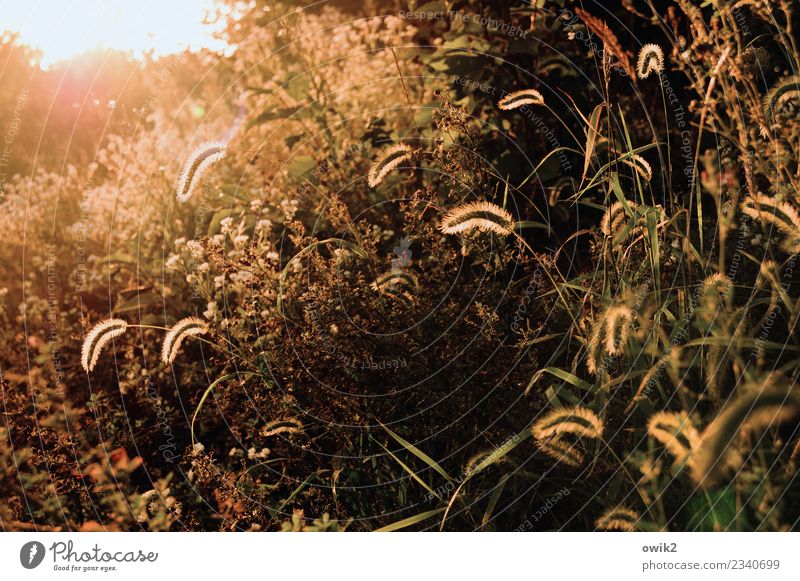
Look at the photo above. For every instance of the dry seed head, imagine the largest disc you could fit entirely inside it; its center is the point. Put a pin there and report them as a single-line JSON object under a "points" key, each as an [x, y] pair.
{"points": [[520, 99], [651, 60], [718, 283], [618, 322], [638, 163], [610, 41], [476, 459], [190, 326], [290, 426], [555, 64], [780, 214], [388, 159], [763, 404], [97, 338], [396, 279], [593, 349], [618, 519], [578, 421], [483, 216], [196, 166], [398, 285], [676, 432], [614, 219], [782, 93], [561, 450]]}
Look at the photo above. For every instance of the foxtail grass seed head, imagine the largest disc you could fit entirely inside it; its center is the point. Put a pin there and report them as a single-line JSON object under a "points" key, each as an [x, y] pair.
{"points": [[520, 99], [714, 289], [675, 432], [618, 323], [97, 338], [783, 93], [763, 403], [614, 220], [388, 159], [640, 165], [399, 285], [275, 427], [593, 353], [188, 327], [651, 60], [483, 216], [578, 421], [396, 279], [474, 460], [196, 166], [561, 451], [618, 519], [781, 214]]}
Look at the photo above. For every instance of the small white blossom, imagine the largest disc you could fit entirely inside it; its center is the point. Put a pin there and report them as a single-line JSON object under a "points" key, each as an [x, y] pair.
{"points": [[195, 249], [226, 224]]}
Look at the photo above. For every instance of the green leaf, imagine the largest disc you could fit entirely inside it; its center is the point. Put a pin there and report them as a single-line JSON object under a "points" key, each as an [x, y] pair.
{"points": [[592, 132], [413, 474], [208, 391], [407, 522], [215, 225], [301, 166], [561, 374], [714, 511], [417, 452]]}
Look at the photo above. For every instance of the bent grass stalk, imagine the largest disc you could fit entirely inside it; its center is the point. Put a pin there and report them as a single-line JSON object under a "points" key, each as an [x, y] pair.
{"points": [[208, 391]]}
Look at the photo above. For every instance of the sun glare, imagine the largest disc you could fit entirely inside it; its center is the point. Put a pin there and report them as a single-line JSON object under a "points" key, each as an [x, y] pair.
{"points": [[64, 29]]}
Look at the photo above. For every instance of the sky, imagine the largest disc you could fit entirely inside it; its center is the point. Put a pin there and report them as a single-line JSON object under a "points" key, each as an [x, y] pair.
{"points": [[62, 29]]}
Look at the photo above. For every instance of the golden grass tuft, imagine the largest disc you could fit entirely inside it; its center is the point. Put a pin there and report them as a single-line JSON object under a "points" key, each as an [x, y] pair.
{"points": [[287, 426], [676, 432], [188, 327], [97, 338], [772, 401], [483, 216], [651, 60], [400, 285], [782, 93], [781, 215], [388, 159], [519, 99], [615, 219], [196, 166], [618, 321], [562, 451], [618, 519], [578, 421], [640, 165]]}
